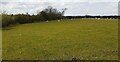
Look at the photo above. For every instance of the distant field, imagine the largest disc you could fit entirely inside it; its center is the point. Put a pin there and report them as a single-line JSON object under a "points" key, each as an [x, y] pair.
{"points": [[84, 39]]}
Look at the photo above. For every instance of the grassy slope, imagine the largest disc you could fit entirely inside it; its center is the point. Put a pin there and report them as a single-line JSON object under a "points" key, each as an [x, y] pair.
{"points": [[0, 44], [80, 38]]}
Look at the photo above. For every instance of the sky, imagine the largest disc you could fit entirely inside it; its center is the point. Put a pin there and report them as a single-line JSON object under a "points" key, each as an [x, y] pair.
{"points": [[74, 7]]}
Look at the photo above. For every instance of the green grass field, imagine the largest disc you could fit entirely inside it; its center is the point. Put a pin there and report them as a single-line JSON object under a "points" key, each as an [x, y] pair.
{"points": [[0, 44], [84, 39]]}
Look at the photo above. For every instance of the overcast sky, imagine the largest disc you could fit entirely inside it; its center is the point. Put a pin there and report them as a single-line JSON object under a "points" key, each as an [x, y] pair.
{"points": [[74, 7]]}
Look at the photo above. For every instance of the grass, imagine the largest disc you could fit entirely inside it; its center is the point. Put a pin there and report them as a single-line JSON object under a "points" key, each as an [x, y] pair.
{"points": [[84, 39], [0, 44]]}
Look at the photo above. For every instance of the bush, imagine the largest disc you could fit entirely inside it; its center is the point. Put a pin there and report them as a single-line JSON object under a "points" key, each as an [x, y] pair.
{"points": [[7, 20], [49, 13]]}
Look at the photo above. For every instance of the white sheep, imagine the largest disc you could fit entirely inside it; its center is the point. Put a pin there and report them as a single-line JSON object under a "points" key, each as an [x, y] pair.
{"points": [[98, 18], [58, 20], [47, 21], [71, 19]]}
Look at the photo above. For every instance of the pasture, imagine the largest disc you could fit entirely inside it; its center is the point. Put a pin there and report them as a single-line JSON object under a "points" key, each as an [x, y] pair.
{"points": [[84, 39], [0, 44]]}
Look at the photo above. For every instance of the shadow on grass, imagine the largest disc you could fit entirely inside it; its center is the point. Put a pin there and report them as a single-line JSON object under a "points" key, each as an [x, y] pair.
{"points": [[8, 27]]}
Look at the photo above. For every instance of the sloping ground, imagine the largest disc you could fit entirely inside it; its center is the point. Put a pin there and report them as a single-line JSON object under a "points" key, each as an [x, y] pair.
{"points": [[83, 39], [0, 44]]}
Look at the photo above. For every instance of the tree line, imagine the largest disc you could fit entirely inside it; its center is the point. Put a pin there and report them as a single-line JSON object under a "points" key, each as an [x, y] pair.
{"points": [[90, 16], [47, 14]]}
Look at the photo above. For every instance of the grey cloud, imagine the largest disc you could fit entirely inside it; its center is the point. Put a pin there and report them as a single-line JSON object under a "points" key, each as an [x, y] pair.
{"points": [[74, 8]]}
